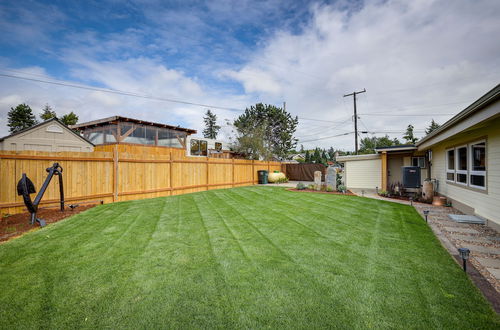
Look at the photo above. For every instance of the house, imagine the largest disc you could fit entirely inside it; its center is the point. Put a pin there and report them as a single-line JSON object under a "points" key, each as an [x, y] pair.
{"points": [[462, 157], [51, 135], [123, 130]]}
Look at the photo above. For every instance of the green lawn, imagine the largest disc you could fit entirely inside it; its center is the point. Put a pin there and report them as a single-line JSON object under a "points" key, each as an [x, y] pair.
{"points": [[238, 258]]}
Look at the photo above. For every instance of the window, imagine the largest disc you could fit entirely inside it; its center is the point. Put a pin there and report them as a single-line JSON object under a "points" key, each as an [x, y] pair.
{"points": [[198, 147], [461, 165], [418, 161], [477, 173], [450, 165], [466, 165], [218, 146], [195, 147]]}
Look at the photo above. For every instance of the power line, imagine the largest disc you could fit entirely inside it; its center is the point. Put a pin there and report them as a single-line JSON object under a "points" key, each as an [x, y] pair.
{"points": [[406, 115], [113, 91], [326, 137], [131, 94]]}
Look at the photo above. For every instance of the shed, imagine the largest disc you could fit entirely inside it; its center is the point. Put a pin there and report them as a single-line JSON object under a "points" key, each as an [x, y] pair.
{"points": [[51, 135]]}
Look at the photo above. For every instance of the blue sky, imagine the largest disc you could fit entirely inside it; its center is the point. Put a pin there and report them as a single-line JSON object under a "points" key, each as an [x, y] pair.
{"points": [[418, 60]]}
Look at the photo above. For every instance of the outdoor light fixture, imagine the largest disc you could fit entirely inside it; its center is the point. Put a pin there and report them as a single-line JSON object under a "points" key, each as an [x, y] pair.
{"points": [[363, 193], [411, 201], [426, 213], [464, 254]]}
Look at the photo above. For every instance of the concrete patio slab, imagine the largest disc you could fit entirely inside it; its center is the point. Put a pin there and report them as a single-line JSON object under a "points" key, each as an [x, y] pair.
{"points": [[495, 272]]}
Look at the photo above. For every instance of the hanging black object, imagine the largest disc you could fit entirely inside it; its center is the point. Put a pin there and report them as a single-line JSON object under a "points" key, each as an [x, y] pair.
{"points": [[25, 187]]}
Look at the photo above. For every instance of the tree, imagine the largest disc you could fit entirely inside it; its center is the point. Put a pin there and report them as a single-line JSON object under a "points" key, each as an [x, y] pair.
{"points": [[301, 148], [20, 117], [211, 128], [47, 113], [368, 144], [252, 143], [277, 126], [308, 157], [316, 157], [409, 137], [432, 127], [69, 119]]}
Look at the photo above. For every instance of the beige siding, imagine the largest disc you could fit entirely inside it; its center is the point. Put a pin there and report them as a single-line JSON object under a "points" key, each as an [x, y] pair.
{"points": [[487, 203], [51, 136], [366, 174]]}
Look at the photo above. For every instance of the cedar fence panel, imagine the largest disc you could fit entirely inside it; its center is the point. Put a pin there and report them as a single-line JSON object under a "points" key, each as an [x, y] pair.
{"points": [[121, 172]]}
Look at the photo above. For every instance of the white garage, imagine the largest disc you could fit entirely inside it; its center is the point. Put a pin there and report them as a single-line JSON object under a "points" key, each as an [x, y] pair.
{"points": [[362, 171]]}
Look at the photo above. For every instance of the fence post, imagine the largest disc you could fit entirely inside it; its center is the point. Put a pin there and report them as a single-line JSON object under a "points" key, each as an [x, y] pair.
{"points": [[208, 173], [233, 173], [170, 183], [253, 171], [115, 173]]}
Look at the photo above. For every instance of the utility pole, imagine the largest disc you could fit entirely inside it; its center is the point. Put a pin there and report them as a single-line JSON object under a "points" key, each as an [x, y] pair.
{"points": [[284, 105], [355, 119]]}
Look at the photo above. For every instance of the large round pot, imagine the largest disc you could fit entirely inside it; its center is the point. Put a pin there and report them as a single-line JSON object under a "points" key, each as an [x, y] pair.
{"points": [[274, 177]]}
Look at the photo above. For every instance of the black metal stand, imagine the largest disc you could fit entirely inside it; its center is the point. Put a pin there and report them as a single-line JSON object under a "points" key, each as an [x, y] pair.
{"points": [[25, 187]]}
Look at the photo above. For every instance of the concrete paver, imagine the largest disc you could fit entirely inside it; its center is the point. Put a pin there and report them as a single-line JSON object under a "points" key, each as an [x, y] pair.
{"points": [[489, 262], [495, 272], [461, 230]]}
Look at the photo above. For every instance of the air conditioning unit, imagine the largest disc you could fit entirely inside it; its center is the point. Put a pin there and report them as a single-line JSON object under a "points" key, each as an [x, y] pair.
{"points": [[411, 176]]}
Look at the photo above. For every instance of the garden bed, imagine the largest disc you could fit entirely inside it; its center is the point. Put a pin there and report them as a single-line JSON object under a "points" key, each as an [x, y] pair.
{"points": [[15, 225], [348, 192]]}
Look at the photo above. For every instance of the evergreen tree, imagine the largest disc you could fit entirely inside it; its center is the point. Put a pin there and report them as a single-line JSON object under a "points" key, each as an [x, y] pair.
{"points": [[432, 127], [409, 137], [211, 128], [301, 148], [69, 119], [20, 117], [316, 158], [308, 157], [47, 113]]}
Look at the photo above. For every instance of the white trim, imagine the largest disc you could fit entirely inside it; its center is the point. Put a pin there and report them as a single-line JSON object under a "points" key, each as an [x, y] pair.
{"points": [[448, 170], [457, 160], [477, 173]]}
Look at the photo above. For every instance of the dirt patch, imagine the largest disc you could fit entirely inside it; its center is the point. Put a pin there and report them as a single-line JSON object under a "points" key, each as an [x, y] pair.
{"points": [[347, 193], [18, 224]]}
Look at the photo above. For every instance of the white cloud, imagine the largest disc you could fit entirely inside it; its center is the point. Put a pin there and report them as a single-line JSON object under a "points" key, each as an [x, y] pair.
{"points": [[410, 56]]}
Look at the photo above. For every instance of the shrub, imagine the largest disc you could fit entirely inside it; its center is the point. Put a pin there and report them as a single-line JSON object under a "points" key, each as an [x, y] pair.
{"points": [[383, 193], [282, 180], [330, 189], [311, 186], [301, 186], [341, 188]]}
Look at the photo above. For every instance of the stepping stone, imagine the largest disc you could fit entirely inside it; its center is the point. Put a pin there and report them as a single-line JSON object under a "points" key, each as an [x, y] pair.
{"points": [[495, 272], [489, 262], [467, 238], [462, 230], [481, 249], [464, 218]]}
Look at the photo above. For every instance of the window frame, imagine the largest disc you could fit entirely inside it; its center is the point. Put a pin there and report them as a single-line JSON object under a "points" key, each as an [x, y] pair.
{"points": [[418, 161], [457, 160], [448, 170], [471, 171]]}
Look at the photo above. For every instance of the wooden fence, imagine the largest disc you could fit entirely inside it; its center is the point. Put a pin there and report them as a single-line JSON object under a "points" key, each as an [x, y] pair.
{"points": [[122, 172]]}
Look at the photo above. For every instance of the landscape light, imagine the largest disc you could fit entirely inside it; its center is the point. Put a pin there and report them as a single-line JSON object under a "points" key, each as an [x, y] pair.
{"points": [[411, 201], [426, 213], [464, 254]]}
